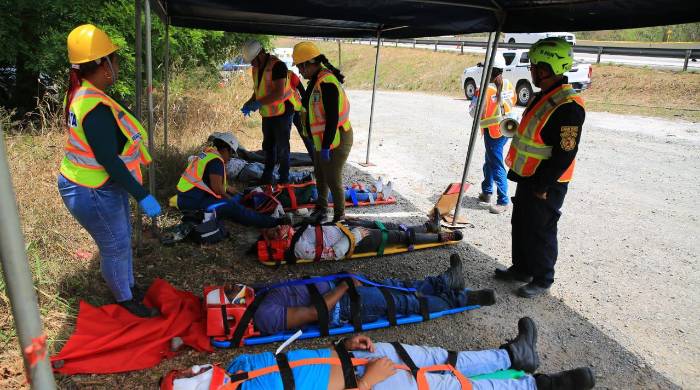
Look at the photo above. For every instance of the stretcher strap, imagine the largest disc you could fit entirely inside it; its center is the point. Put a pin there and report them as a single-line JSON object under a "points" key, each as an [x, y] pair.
{"points": [[390, 305], [355, 305], [406, 358], [321, 308], [353, 196], [285, 371], [351, 238], [424, 308], [329, 278], [385, 237], [452, 358], [224, 318], [346, 364], [247, 316], [319, 243], [292, 197]]}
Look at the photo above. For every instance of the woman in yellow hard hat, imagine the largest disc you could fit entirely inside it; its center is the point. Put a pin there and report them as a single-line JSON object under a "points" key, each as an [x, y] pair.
{"points": [[102, 163], [326, 115]]}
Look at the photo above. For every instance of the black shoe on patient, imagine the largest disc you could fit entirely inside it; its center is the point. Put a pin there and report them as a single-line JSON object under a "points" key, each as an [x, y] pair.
{"points": [[511, 275], [485, 297], [522, 350], [317, 216], [581, 378], [454, 276], [139, 309]]}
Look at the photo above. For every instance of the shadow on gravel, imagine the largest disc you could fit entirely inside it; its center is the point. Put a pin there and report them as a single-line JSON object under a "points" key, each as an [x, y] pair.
{"points": [[566, 340]]}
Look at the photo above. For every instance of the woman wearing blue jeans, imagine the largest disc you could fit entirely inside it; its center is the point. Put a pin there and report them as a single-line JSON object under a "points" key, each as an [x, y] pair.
{"points": [[102, 162]]}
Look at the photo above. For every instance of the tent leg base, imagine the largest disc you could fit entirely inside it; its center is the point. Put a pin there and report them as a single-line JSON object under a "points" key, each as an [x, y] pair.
{"points": [[367, 164]]}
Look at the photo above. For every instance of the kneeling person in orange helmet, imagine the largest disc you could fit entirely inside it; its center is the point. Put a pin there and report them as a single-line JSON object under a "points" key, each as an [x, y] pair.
{"points": [[541, 161], [104, 152]]}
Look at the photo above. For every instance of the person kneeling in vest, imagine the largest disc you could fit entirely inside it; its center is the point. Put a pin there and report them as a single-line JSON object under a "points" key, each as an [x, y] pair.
{"points": [[291, 307], [204, 183], [360, 363]]}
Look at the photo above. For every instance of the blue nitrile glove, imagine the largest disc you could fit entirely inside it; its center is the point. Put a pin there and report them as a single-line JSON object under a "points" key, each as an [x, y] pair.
{"points": [[326, 154], [245, 110], [254, 106], [150, 206]]}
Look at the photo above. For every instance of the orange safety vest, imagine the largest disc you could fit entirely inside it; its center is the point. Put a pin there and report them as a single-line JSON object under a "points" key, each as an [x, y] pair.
{"points": [[493, 113], [527, 148], [262, 87], [317, 113], [194, 173]]}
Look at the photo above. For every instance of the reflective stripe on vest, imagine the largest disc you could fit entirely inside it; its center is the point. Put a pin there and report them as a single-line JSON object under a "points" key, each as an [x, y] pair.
{"points": [[493, 113], [527, 148], [317, 113], [263, 87], [194, 173], [79, 164]]}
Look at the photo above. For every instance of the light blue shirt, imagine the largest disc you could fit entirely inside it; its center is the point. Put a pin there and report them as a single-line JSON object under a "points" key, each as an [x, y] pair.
{"points": [[308, 377]]}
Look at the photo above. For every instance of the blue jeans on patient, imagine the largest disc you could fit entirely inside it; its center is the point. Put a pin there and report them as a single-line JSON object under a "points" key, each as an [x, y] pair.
{"points": [[434, 288], [232, 209], [105, 213], [495, 168]]}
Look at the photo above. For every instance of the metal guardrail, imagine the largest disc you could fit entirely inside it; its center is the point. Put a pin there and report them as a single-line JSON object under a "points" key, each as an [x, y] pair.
{"points": [[685, 54]]}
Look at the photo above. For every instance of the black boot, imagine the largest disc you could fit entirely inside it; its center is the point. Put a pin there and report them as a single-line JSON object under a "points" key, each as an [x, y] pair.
{"points": [[523, 349], [485, 297], [455, 235], [454, 276], [511, 275], [581, 378], [532, 290], [139, 310]]}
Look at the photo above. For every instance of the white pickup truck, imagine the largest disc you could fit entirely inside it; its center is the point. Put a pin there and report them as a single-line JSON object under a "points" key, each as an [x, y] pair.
{"points": [[517, 73]]}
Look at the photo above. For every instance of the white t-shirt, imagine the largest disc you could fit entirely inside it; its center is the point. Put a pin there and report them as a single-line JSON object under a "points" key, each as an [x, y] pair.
{"points": [[335, 244]]}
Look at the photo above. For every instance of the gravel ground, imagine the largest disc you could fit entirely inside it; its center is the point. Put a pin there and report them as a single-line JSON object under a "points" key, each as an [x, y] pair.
{"points": [[625, 299]]}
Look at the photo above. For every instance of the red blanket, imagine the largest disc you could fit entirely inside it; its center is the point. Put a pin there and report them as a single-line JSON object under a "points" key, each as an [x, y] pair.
{"points": [[109, 339]]}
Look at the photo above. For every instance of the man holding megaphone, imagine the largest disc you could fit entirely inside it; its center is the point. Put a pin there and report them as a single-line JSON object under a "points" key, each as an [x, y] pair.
{"points": [[499, 99]]}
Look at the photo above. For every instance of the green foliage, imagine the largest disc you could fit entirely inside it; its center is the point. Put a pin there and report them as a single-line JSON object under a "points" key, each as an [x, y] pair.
{"points": [[676, 33], [34, 35]]}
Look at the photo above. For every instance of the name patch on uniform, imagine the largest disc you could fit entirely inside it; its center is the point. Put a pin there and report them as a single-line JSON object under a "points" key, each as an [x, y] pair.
{"points": [[568, 137]]}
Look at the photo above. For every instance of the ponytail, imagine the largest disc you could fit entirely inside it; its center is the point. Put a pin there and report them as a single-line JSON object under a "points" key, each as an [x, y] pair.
{"points": [[323, 60], [75, 80]]}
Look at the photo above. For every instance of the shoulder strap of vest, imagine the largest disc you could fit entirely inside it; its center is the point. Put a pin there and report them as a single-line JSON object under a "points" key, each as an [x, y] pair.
{"points": [[346, 364]]}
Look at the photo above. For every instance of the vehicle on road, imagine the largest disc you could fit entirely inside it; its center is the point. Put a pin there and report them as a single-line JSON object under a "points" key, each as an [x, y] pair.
{"points": [[517, 72], [285, 55], [235, 65], [534, 37]]}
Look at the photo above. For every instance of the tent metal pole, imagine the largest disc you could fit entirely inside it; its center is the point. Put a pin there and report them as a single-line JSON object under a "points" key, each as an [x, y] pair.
{"points": [[149, 94], [19, 285], [340, 55], [166, 65], [138, 228], [374, 93], [485, 77]]}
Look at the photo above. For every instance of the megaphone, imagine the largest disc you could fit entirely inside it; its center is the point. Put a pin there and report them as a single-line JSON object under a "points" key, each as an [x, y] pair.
{"points": [[508, 126]]}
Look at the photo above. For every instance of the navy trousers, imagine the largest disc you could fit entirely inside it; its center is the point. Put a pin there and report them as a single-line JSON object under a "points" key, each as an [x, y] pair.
{"points": [[534, 236], [276, 131]]}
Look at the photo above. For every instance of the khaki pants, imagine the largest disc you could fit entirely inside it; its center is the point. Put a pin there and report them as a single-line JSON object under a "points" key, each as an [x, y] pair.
{"points": [[329, 174]]}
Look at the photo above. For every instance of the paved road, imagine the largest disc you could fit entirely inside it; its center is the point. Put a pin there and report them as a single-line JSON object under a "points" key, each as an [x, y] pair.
{"points": [[628, 236], [653, 62]]}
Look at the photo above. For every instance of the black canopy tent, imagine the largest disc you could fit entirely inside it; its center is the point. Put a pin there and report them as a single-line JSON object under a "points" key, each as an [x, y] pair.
{"points": [[328, 18]]}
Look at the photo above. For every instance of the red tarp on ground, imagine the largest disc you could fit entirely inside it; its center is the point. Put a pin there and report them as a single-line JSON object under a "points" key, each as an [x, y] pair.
{"points": [[109, 339]]}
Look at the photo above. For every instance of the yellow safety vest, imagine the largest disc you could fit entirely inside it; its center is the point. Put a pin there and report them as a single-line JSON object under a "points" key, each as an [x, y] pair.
{"points": [[194, 173], [317, 113], [262, 88], [528, 149], [493, 114], [79, 164]]}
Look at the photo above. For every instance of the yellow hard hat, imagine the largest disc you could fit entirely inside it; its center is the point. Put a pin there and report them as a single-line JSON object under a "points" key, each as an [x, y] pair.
{"points": [[87, 43], [304, 51]]}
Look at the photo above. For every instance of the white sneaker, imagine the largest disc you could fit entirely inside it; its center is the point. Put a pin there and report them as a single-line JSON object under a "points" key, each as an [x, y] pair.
{"points": [[378, 185], [388, 190]]}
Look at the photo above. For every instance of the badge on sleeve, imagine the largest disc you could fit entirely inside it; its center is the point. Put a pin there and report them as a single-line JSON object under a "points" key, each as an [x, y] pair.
{"points": [[568, 137]]}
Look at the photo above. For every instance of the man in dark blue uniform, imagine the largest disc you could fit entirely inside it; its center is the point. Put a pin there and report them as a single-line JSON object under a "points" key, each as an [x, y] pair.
{"points": [[541, 161]]}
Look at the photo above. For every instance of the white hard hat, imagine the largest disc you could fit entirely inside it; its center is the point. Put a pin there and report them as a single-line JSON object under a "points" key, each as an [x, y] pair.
{"points": [[499, 62], [251, 49], [227, 137]]}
